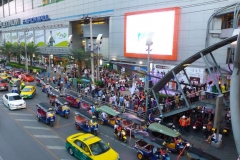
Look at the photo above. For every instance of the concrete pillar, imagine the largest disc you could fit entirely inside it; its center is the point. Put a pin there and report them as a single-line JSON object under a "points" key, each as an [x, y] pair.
{"points": [[234, 96]]}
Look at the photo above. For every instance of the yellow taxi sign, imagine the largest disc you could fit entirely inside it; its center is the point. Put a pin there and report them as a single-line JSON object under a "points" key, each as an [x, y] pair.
{"points": [[88, 138], [224, 130]]}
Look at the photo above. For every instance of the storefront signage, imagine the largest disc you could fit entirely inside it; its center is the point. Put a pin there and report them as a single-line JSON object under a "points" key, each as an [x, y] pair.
{"points": [[10, 23], [36, 19]]}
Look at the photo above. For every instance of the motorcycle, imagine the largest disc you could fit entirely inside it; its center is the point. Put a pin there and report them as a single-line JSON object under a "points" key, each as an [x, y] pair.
{"points": [[204, 129], [122, 136], [197, 125], [226, 128]]}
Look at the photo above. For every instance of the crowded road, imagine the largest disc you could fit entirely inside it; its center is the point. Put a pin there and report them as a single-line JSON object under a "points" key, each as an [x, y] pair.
{"points": [[23, 137]]}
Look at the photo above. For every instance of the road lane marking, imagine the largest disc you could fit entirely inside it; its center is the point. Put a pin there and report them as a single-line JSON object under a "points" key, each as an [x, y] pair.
{"points": [[45, 136], [26, 120], [21, 114], [30, 127], [55, 147]]}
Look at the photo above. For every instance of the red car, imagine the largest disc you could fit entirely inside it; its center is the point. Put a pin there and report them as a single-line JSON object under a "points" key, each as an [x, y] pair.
{"points": [[3, 85], [17, 73], [27, 77]]}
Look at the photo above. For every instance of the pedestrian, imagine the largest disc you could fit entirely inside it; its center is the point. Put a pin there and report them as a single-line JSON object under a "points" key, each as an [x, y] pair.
{"points": [[55, 70], [209, 128], [79, 87], [182, 124]]}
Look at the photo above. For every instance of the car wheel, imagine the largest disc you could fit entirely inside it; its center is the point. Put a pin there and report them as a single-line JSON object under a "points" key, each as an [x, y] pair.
{"points": [[139, 155], [70, 151], [9, 107]]}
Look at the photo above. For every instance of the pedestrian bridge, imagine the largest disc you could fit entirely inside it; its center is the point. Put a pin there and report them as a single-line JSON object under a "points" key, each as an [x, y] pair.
{"points": [[160, 86]]}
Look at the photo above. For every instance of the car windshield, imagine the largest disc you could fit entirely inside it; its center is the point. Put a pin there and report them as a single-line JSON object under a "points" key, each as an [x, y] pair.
{"points": [[3, 74], [14, 98], [99, 148], [3, 81], [27, 90]]}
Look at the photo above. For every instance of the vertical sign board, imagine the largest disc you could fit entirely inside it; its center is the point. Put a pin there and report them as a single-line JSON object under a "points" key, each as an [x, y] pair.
{"points": [[218, 113]]}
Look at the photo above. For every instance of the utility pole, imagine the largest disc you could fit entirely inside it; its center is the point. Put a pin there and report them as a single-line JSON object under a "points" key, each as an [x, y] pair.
{"points": [[92, 56], [98, 43]]}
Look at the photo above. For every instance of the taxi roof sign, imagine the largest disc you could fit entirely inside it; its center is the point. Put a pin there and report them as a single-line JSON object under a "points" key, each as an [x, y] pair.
{"points": [[88, 138]]}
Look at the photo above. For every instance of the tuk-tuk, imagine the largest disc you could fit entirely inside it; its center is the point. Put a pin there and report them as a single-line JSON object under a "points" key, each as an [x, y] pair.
{"points": [[86, 122], [15, 81], [15, 89], [132, 124], [198, 154], [45, 113], [39, 82], [52, 96], [62, 107], [173, 138], [72, 98], [111, 118], [145, 144]]}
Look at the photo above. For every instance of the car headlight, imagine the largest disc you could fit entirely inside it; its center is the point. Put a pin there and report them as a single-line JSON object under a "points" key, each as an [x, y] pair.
{"points": [[194, 127], [118, 157], [204, 127]]}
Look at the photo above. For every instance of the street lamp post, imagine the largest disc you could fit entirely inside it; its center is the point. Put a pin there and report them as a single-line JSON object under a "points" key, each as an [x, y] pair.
{"points": [[92, 56], [148, 44], [25, 46]]}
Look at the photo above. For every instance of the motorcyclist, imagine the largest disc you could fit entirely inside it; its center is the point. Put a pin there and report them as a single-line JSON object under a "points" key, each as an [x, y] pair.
{"points": [[164, 151], [119, 129]]}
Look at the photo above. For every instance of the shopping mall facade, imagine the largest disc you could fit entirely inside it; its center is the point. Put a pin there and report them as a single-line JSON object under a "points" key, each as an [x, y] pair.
{"points": [[181, 28]]}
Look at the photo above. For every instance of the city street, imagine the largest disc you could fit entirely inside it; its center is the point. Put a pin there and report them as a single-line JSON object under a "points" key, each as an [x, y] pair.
{"points": [[23, 137]]}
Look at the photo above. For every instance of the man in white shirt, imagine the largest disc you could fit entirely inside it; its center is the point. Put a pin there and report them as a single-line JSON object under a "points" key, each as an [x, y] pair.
{"points": [[104, 115]]}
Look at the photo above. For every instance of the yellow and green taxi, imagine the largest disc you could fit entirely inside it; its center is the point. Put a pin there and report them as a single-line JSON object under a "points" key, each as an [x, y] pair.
{"points": [[4, 76], [28, 92], [89, 147]]}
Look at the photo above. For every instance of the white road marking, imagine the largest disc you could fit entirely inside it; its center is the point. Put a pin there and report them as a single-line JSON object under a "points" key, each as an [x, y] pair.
{"points": [[30, 127], [55, 147], [21, 114], [1, 158], [26, 120], [46, 136]]}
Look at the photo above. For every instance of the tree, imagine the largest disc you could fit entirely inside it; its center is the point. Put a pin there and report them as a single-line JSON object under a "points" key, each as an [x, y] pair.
{"points": [[79, 57], [32, 49], [17, 50], [6, 50]]}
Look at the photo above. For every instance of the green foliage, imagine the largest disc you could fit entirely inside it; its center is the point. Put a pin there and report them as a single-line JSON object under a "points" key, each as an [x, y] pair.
{"points": [[16, 65], [99, 83], [32, 49], [6, 50], [2, 61], [78, 56]]}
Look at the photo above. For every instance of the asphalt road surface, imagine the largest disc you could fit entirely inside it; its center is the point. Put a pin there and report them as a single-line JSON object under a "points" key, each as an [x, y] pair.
{"points": [[22, 137]]}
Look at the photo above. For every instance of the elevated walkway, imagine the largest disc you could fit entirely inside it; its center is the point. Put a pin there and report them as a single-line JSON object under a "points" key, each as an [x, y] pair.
{"points": [[161, 84]]}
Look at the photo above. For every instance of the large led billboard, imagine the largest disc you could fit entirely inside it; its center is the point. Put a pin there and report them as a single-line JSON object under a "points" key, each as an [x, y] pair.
{"points": [[164, 23]]}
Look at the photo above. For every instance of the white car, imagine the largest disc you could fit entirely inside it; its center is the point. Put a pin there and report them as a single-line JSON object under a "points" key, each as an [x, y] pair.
{"points": [[13, 101]]}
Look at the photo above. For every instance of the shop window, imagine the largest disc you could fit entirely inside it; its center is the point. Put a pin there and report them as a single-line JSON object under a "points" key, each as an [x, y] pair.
{"points": [[4, 2], [227, 21]]}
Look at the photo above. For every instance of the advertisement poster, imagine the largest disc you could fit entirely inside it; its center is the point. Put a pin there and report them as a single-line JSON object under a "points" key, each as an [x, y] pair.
{"points": [[160, 24], [39, 38], [195, 75], [6, 37], [21, 37], [29, 36], [57, 37], [14, 38]]}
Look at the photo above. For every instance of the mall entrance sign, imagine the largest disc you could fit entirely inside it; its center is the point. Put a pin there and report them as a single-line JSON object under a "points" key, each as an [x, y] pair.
{"points": [[36, 19], [10, 23]]}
